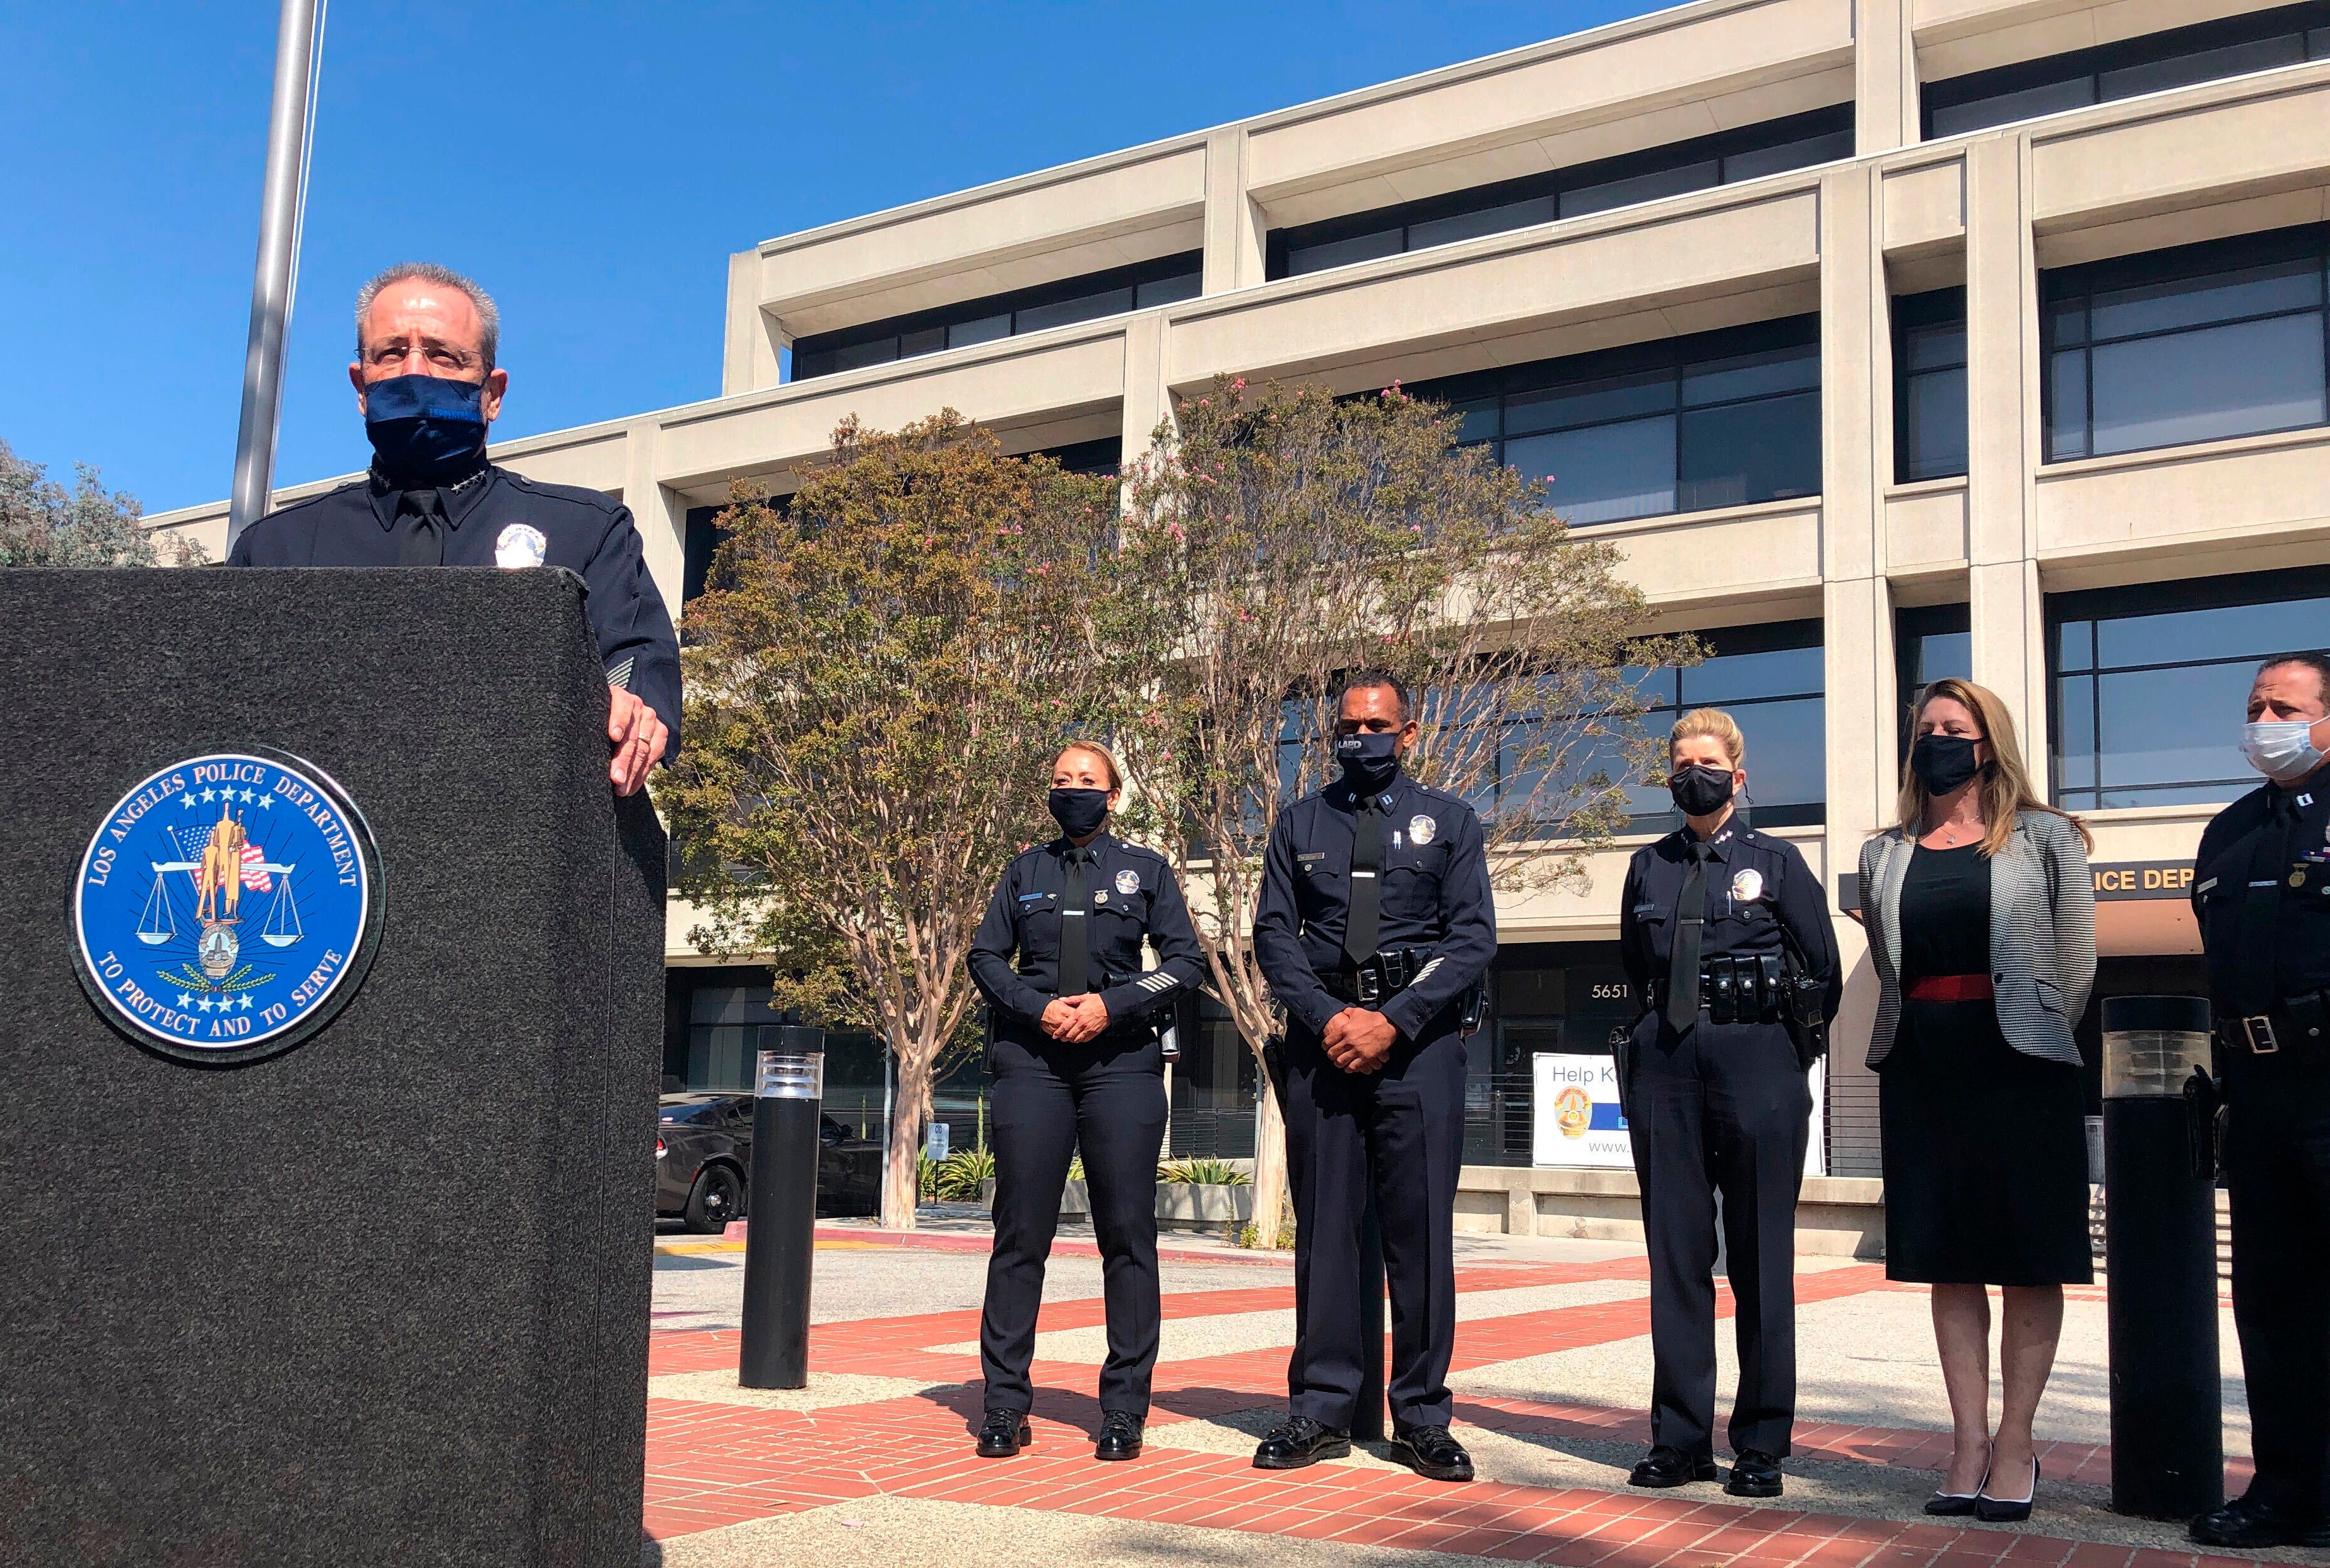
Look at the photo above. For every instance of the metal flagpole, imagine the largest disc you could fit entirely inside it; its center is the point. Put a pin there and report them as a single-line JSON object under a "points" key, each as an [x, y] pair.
{"points": [[298, 40]]}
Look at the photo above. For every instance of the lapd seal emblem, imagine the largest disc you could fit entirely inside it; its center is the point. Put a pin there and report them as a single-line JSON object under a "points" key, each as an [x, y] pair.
{"points": [[1128, 881], [227, 906], [1746, 884], [520, 544], [1421, 829]]}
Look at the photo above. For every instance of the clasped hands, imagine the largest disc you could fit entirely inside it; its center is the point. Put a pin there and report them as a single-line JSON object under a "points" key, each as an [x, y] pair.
{"points": [[1358, 1040], [1073, 1020]]}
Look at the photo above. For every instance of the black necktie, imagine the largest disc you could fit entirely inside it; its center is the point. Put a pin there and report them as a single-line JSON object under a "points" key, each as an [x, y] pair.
{"points": [[419, 529], [2254, 990], [1691, 920], [1075, 926], [1363, 923]]}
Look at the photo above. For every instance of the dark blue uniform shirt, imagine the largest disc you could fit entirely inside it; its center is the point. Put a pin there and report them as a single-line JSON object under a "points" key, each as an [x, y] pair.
{"points": [[1754, 883], [581, 529], [1133, 894], [2270, 843], [1436, 897]]}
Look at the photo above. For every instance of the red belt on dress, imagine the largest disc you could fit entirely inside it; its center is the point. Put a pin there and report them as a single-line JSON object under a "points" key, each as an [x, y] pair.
{"points": [[1951, 988]]}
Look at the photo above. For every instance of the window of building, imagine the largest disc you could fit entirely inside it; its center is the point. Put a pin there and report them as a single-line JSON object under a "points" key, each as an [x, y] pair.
{"points": [[1213, 1090], [2151, 683], [2196, 344], [1929, 642], [1770, 678], [1929, 385], [1799, 141], [1686, 424], [1157, 283], [2285, 35]]}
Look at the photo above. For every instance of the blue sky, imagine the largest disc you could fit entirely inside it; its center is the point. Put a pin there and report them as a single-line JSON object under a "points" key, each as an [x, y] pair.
{"points": [[591, 164]]}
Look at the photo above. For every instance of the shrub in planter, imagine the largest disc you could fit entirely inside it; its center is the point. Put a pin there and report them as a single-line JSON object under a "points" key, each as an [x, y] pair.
{"points": [[962, 1176], [1202, 1173]]}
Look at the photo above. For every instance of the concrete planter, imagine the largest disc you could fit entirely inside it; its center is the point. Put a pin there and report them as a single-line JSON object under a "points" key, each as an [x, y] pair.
{"points": [[1180, 1205], [1185, 1205]]}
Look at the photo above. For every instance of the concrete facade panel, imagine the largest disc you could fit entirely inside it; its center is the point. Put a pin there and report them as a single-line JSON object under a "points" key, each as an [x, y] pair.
{"points": [[1495, 289]]}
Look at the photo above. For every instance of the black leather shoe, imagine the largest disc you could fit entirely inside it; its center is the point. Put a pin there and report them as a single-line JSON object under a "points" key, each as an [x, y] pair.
{"points": [[1666, 1467], [1120, 1436], [1299, 1440], [2246, 1524], [1431, 1453], [1004, 1434], [1754, 1474]]}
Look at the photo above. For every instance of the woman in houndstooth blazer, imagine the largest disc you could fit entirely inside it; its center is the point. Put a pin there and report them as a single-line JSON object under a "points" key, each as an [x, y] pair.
{"points": [[1981, 915]]}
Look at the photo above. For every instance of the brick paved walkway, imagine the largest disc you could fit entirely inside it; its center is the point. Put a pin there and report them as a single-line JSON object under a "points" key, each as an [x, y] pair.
{"points": [[717, 1462]]}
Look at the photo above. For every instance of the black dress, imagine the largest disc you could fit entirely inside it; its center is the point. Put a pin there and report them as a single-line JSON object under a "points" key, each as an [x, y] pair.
{"points": [[1985, 1147]]}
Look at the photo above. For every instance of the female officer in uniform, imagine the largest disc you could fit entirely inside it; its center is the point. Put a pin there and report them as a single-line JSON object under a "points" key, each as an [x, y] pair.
{"points": [[1716, 918], [1078, 1064]]}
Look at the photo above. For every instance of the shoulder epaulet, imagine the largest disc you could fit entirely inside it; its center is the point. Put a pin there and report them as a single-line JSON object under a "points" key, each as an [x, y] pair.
{"points": [[582, 495], [1142, 850], [320, 497]]}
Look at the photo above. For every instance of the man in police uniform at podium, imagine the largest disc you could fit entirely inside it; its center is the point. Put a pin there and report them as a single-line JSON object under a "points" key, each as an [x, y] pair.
{"points": [[1376, 922], [428, 388], [2262, 888]]}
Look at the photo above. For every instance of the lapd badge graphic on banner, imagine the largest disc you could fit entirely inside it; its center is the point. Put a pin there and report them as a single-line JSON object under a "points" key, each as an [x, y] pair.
{"points": [[227, 906]]}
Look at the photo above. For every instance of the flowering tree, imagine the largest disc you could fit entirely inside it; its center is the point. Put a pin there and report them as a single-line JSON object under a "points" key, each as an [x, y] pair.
{"points": [[878, 679], [1285, 537]]}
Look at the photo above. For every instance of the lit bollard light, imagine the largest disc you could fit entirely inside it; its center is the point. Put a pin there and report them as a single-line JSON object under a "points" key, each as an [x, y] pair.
{"points": [[781, 1227], [2160, 1252]]}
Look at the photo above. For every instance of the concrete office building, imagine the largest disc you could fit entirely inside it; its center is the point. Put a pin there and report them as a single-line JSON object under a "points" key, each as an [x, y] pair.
{"points": [[1886, 338]]}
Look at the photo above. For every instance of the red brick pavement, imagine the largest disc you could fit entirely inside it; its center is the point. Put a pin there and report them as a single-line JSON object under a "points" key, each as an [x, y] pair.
{"points": [[711, 1465]]}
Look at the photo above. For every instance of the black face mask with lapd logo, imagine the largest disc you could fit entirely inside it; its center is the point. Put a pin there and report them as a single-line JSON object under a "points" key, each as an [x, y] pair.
{"points": [[1700, 791], [1370, 759]]}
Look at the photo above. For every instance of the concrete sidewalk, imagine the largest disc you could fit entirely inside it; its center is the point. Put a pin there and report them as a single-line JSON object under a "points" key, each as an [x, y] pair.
{"points": [[872, 1462]]}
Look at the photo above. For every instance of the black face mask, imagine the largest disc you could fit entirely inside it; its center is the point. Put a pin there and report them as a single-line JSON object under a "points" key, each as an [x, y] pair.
{"points": [[1079, 812], [1943, 762], [426, 430], [1370, 759], [1700, 791]]}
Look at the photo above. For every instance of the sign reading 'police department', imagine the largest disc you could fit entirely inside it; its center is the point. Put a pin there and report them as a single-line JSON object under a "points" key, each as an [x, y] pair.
{"points": [[227, 906]]}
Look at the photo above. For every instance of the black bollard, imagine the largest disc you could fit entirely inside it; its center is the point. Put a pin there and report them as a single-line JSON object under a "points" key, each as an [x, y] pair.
{"points": [[1368, 1418], [2160, 1252], [780, 1225]]}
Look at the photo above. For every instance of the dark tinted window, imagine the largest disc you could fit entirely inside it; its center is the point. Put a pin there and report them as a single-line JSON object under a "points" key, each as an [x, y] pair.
{"points": [[1720, 419], [1929, 385], [1159, 282], [2150, 684], [1929, 642], [1796, 142], [2196, 344], [2155, 62]]}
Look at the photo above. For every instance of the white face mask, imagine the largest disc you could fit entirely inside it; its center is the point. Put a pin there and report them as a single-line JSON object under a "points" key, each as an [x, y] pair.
{"points": [[2281, 750]]}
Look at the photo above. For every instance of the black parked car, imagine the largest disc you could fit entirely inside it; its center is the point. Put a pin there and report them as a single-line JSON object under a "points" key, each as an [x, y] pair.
{"points": [[704, 1161]]}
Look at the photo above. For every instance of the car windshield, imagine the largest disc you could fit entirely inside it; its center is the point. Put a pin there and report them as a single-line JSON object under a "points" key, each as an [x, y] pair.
{"points": [[692, 1109]]}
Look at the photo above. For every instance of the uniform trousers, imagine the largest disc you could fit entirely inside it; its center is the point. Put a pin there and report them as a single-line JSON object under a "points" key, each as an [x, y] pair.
{"points": [[2277, 1175], [1399, 1135], [1724, 1108], [1107, 1098]]}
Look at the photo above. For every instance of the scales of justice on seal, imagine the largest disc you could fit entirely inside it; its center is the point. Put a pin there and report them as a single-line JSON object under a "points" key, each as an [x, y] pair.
{"points": [[228, 904], [227, 866]]}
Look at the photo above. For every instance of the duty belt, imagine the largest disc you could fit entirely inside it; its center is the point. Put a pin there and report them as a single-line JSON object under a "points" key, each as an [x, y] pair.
{"points": [[2300, 1021], [1394, 969], [1381, 978], [1746, 989]]}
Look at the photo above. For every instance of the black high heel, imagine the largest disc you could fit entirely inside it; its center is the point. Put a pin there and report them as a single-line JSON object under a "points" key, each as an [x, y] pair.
{"points": [[1992, 1510], [1953, 1505]]}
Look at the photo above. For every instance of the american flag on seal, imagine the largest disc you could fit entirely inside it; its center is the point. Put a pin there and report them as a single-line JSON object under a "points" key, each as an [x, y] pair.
{"points": [[255, 878]]}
